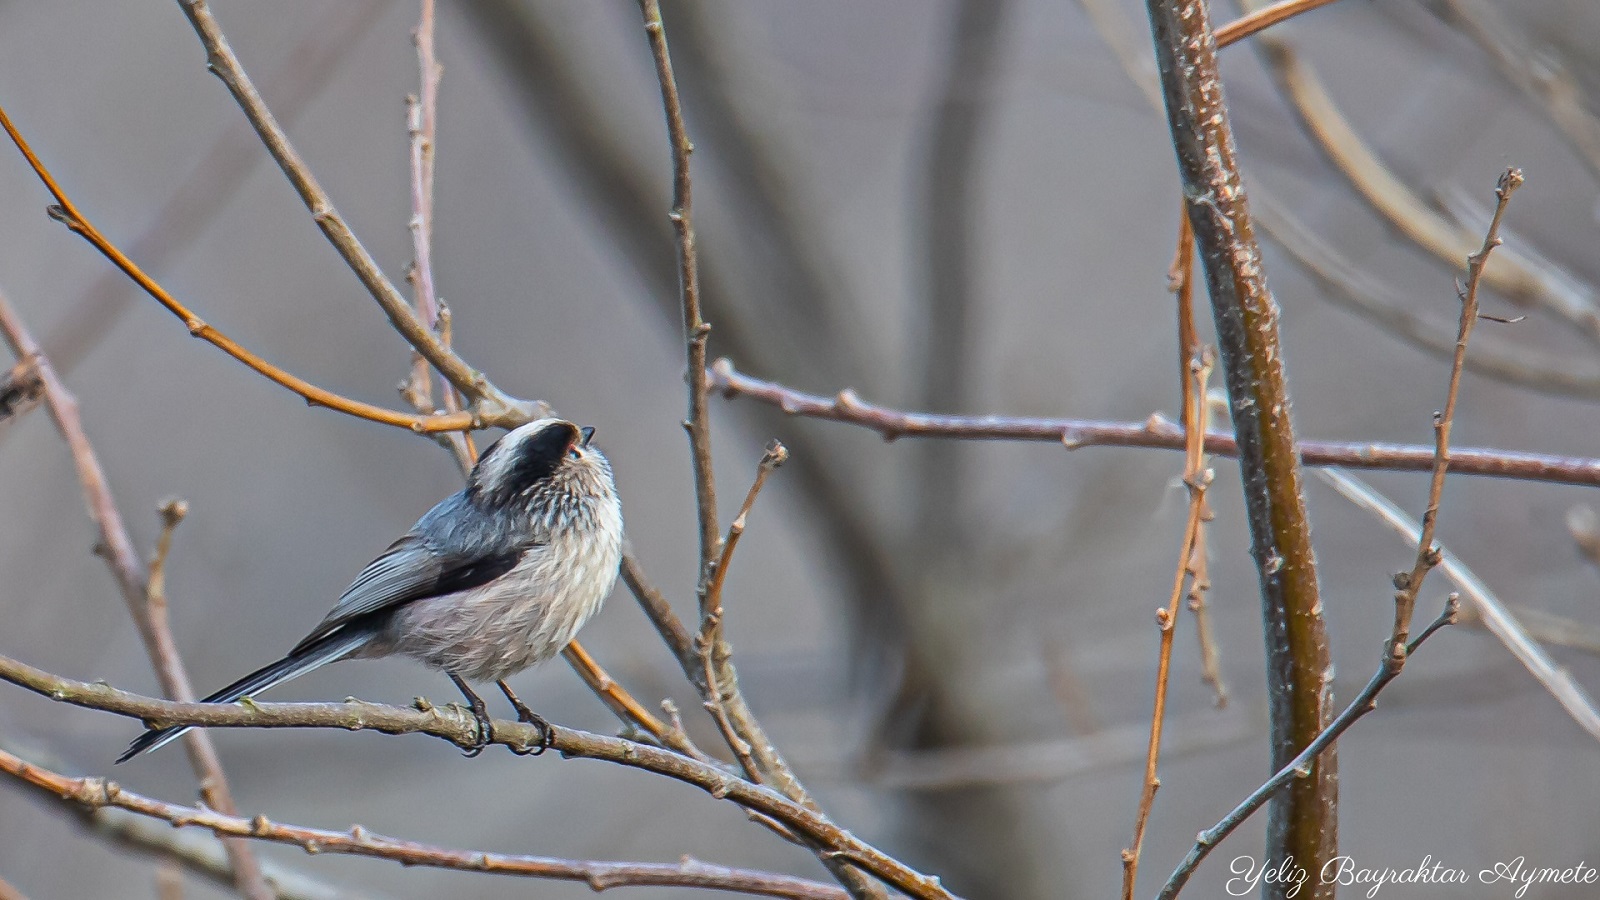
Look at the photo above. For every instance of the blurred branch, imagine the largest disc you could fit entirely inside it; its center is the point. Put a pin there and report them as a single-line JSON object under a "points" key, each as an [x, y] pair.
{"points": [[9, 892], [611, 185], [98, 793], [1300, 767], [67, 213], [1353, 287], [1196, 477], [1496, 615], [490, 405], [460, 728], [1301, 825], [1518, 277], [1048, 761], [222, 171], [147, 609], [1535, 71], [1155, 432]]}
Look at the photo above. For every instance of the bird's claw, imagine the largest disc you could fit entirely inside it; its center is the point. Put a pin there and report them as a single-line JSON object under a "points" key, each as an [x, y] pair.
{"points": [[485, 733]]}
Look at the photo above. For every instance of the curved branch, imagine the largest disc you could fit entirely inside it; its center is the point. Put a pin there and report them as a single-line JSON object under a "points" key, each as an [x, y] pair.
{"points": [[460, 728], [494, 407], [1155, 432], [67, 213], [1515, 275], [98, 793]]}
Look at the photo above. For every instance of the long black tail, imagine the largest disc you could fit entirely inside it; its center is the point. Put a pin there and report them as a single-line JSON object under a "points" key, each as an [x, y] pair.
{"points": [[335, 647]]}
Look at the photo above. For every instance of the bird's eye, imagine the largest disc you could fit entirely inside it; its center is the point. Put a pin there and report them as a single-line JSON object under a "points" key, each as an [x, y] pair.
{"points": [[574, 453]]}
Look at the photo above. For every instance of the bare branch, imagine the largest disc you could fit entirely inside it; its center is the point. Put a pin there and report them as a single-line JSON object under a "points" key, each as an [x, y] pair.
{"points": [[459, 727], [98, 793], [1300, 766], [1155, 432], [1196, 477], [148, 610], [1497, 617], [1409, 584], [1301, 825], [492, 406], [67, 213]]}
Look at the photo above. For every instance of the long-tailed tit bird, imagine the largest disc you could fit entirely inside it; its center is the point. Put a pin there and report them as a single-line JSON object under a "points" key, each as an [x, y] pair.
{"points": [[492, 580]]}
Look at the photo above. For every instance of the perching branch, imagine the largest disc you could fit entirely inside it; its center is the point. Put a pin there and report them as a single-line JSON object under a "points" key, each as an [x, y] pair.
{"points": [[1155, 432], [459, 727]]}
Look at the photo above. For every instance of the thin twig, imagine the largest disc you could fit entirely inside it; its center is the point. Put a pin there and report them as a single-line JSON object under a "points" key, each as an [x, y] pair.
{"points": [[68, 214], [696, 330], [1301, 824], [1155, 432], [490, 405], [1497, 616], [1517, 276], [1264, 18], [1407, 585], [710, 645], [422, 118], [190, 210], [98, 793], [453, 724], [1180, 279], [134, 584], [9, 891], [1300, 766], [1196, 477]]}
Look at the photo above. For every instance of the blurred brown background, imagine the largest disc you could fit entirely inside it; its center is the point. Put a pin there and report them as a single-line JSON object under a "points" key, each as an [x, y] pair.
{"points": [[993, 240]]}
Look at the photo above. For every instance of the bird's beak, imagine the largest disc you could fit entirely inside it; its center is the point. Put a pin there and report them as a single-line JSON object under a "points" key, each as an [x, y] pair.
{"points": [[588, 434]]}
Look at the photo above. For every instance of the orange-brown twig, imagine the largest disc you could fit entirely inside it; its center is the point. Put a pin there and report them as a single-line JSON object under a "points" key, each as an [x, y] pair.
{"points": [[68, 214], [1264, 18], [1195, 477]]}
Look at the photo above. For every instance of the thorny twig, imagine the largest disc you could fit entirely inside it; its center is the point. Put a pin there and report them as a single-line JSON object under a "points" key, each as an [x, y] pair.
{"points": [[134, 583]]}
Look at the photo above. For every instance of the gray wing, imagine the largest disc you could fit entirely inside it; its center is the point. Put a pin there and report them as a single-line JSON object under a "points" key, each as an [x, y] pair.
{"points": [[429, 561]]}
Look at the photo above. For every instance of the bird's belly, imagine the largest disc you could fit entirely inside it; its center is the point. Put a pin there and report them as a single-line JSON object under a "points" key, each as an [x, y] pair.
{"points": [[492, 632]]}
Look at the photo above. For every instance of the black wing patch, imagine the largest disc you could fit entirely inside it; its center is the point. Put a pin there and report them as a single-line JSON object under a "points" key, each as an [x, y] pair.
{"points": [[409, 571]]}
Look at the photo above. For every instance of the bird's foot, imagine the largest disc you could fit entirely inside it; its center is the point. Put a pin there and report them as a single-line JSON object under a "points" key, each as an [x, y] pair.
{"points": [[529, 717], [480, 713]]}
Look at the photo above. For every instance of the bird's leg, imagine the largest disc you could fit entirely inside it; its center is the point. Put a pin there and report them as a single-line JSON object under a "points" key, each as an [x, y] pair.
{"points": [[529, 717], [479, 712]]}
